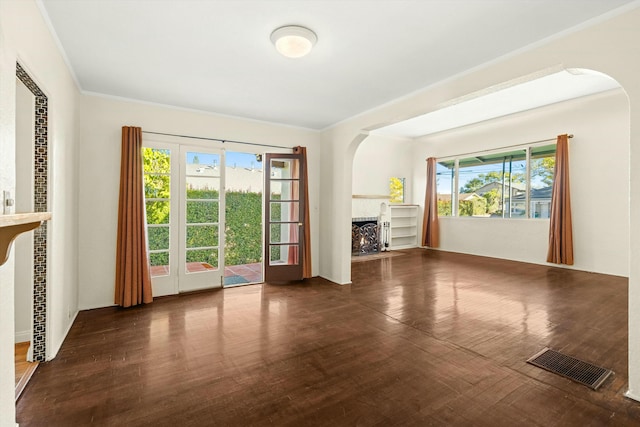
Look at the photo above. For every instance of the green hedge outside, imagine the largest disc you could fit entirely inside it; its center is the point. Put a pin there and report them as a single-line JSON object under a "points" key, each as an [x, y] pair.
{"points": [[243, 231]]}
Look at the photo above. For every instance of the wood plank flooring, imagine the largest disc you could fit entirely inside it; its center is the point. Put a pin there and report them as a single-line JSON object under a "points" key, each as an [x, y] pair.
{"points": [[20, 357], [24, 370], [427, 338]]}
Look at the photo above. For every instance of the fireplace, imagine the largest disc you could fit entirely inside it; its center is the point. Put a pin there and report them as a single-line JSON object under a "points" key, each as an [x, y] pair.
{"points": [[365, 236]]}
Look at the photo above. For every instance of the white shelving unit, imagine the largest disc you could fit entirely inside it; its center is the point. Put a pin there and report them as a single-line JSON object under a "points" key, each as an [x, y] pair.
{"points": [[404, 226]]}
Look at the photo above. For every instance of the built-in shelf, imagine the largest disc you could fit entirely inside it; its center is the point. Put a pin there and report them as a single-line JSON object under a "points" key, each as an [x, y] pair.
{"points": [[404, 226], [14, 224]]}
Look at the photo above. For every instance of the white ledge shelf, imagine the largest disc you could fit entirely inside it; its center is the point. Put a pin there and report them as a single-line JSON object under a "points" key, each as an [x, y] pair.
{"points": [[14, 224]]}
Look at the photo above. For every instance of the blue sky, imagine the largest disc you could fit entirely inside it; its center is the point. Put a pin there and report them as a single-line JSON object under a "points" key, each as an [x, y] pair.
{"points": [[242, 160]]}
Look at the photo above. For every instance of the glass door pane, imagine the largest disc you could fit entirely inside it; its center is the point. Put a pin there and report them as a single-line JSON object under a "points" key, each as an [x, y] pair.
{"points": [[284, 207], [201, 206], [243, 219], [185, 216], [160, 187], [157, 193]]}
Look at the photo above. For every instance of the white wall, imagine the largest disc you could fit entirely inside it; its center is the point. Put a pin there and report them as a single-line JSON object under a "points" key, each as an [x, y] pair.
{"points": [[599, 169], [25, 36], [379, 158], [23, 245], [7, 182], [99, 173], [336, 207]]}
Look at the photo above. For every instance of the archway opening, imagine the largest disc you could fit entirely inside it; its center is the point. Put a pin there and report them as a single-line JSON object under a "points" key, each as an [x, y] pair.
{"points": [[598, 116]]}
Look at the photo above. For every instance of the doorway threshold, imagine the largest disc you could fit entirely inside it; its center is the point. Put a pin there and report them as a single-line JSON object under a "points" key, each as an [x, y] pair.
{"points": [[24, 369]]}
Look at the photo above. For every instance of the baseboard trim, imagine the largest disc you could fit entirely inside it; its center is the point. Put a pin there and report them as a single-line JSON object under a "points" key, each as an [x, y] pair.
{"points": [[54, 351], [631, 395], [335, 281], [22, 336]]}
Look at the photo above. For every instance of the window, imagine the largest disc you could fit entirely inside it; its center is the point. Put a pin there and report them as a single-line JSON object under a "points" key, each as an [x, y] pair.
{"points": [[445, 180], [396, 190], [498, 185], [543, 161], [490, 184]]}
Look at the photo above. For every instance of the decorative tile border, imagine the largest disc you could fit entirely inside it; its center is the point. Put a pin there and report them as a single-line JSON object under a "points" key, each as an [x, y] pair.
{"points": [[41, 173]]}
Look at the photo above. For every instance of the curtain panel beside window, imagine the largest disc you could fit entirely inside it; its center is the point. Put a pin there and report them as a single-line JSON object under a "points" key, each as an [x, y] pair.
{"points": [[133, 282], [560, 226], [430, 227]]}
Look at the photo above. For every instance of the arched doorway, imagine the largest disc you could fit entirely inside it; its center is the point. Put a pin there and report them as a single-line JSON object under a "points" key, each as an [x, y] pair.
{"points": [[622, 141]]}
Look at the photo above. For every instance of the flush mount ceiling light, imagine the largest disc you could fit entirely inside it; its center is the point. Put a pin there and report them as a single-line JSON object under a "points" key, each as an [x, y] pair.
{"points": [[293, 41]]}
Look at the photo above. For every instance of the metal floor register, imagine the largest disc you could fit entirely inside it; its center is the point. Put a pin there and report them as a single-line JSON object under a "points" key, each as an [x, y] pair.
{"points": [[577, 370]]}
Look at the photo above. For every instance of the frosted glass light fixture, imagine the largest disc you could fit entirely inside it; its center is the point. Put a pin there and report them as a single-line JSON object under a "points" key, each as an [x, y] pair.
{"points": [[293, 41]]}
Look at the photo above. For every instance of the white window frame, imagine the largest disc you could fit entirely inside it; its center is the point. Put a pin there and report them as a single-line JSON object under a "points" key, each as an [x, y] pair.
{"points": [[456, 159]]}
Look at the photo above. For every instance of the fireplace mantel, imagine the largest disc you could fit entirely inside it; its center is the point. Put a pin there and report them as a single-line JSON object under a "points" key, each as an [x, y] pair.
{"points": [[14, 224]]}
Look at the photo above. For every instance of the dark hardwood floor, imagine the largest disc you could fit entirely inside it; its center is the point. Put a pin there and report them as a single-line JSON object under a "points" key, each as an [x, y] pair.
{"points": [[425, 338]]}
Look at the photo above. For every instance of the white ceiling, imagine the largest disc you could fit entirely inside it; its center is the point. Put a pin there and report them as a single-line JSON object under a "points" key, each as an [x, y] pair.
{"points": [[216, 55]]}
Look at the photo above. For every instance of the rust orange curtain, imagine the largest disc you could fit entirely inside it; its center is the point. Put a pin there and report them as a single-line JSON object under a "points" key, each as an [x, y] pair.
{"points": [[560, 227], [133, 282], [430, 228], [306, 235]]}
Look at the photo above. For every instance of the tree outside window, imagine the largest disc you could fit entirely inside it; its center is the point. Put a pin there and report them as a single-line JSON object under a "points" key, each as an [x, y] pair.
{"points": [[396, 190], [496, 185]]}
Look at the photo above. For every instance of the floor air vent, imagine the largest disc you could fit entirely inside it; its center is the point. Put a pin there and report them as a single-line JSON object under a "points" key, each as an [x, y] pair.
{"points": [[585, 373]]}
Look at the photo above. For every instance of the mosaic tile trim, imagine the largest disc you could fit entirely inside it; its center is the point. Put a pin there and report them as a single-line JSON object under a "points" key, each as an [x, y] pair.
{"points": [[41, 175]]}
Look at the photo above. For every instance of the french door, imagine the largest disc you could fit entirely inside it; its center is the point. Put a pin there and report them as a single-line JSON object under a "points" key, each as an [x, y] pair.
{"points": [[284, 211], [185, 214]]}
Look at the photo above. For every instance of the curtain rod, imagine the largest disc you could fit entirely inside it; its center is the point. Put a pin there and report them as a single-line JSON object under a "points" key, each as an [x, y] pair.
{"points": [[502, 148], [214, 139]]}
